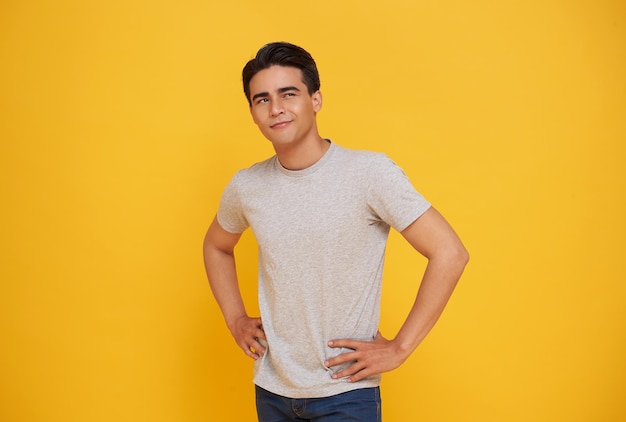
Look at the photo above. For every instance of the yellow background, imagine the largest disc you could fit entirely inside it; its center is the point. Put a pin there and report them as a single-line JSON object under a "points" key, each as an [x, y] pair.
{"points": [[121, 122]]}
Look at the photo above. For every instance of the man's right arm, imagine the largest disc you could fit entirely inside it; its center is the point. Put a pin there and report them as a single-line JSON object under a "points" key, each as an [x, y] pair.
{"points": [[219, 262]]}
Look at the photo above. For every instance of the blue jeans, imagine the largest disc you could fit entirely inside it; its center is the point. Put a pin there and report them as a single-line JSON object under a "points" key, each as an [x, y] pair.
{"points": [[362, 405]]}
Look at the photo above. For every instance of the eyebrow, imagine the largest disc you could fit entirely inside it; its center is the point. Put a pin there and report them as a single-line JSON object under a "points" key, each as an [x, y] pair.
{"points": [[279, 90]]}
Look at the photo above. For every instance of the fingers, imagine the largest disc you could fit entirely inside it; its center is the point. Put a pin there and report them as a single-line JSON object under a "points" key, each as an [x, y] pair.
{"points": [[259, 333], [254, 349], [247, 334], [354, 356], [354, 372], [366, 358], [346, 343], [355, 345], [342, 358]]}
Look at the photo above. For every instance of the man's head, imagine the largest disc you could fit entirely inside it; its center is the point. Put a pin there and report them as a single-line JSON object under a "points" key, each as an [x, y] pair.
{"points": [[282, 54]]}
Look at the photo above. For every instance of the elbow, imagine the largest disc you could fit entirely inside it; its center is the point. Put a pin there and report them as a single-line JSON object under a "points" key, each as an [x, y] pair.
{"points": [[464, 255], [458, 256], [453, 258]]}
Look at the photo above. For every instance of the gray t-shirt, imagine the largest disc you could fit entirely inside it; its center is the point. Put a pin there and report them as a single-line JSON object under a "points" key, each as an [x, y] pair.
{"points": [[321, 234]]}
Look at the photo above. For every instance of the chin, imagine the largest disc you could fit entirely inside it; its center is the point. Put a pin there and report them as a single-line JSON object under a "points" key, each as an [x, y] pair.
{"points": [[280, 140]]}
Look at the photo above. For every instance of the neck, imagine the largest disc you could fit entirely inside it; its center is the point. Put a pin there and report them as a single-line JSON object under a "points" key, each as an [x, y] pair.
{"points": [[301, 156]]}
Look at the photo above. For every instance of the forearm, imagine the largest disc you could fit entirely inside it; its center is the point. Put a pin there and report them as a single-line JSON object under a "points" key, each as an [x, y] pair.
{"points": [[222, 275], [440, 278], [219, 262]]}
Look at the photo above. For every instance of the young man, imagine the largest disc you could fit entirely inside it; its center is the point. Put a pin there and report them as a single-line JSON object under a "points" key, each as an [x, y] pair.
{"points": [[321, 215]]}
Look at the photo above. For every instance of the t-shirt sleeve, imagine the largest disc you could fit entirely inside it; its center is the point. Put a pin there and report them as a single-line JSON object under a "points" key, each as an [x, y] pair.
{"points": [[230, 214], [391, 196]]}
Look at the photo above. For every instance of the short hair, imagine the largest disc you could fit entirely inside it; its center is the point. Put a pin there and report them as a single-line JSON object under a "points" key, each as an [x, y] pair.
{"points": [[282, 54]]}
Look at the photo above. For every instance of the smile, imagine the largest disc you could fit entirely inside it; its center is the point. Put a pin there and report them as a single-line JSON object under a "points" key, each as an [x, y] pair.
{"points": [[280, 125]]}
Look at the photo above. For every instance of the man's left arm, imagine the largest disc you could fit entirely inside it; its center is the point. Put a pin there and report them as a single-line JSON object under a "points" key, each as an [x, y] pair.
{"points": [[433, 237]]}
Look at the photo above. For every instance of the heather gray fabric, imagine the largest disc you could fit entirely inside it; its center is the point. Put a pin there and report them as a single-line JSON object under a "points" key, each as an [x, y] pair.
{"points": [[321, 233]]}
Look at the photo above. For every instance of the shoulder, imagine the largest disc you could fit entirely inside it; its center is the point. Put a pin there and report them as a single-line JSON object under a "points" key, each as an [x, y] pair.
{"points": [[377, 168], [261, 167], [255, 172], [361, 158]]}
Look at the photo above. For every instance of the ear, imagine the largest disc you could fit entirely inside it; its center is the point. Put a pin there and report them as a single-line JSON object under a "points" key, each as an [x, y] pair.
{"points": [[316, 98]]}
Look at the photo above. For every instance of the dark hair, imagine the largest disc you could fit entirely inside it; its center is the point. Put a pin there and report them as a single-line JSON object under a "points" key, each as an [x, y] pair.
{"points": [[282, 54]]}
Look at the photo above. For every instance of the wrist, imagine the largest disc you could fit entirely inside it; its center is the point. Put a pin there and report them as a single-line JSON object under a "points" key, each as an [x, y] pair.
{"points": [[233, 321], [404, 348]]}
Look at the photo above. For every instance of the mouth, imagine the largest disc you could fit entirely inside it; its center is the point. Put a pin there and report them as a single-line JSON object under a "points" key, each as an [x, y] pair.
{"points": [[280, 125]]}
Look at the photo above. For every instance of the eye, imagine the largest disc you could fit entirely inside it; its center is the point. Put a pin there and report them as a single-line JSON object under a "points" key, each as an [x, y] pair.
{"points": [[262, 100]]}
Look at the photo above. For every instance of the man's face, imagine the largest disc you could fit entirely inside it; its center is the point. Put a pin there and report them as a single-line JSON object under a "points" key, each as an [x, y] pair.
{"points": [[282, 107]]}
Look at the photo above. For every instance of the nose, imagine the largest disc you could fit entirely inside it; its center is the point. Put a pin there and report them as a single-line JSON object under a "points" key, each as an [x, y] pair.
{"points": [[276, 108]]}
